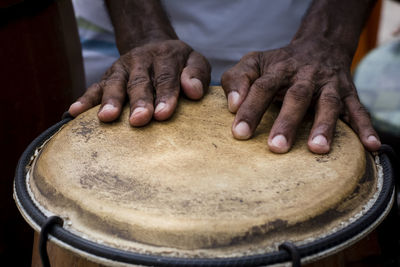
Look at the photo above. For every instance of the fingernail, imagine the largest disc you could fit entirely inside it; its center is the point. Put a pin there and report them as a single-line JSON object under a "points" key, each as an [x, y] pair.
{"points": [[279, 141], [233, 101], [107, 107], [160, 107], [197, 85], [320, 140], [242, 130], [77, 104], [137, 111], [372, 139]]}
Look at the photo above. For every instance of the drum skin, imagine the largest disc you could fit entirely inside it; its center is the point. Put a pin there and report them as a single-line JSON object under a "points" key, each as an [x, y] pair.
{"points": [[186, 187]]}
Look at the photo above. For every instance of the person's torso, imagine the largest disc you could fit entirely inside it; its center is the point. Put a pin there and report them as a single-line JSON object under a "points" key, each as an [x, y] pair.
{"points": [[224, 30]]}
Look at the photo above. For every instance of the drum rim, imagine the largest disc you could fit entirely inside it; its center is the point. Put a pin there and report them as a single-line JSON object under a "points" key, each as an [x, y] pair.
{"points": [[28, 207]]}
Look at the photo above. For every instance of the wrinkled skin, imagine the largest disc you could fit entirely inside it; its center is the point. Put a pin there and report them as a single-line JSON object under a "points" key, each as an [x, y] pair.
{"points": [[151, 76], [307, 75], [311, 74]]}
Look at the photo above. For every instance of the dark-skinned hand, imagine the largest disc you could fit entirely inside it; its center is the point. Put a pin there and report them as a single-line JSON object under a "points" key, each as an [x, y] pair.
{"points": [[305, 74], [151, 76]]}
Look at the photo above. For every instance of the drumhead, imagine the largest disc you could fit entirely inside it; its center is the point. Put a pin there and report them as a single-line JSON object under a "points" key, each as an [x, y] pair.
{"points": [[185, 191]]}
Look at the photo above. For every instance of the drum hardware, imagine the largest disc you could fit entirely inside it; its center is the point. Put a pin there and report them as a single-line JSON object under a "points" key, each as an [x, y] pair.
{"points": [[55, 221], [395, 159], [50, 222], [293, 251]]}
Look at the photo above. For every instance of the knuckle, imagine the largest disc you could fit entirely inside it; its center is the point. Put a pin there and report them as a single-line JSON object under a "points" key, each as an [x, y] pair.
{"points": [[201, 73], [113, 80], [253, 54], [349, 96], [199, 62], [279, 71], [225, 78], [300, 92], [116, 98], [137, 80], [134, 55], [100, 85], [228, 76], [93, 94], [252, 58], [163, 48], [264, 85], [94, 88], [115, 73], [330, 99], [171, 48], [326, 74], [282, 66], [348, 89], [361, 111], [164, 78], [107, 73], [116, 67], [206, 66]]}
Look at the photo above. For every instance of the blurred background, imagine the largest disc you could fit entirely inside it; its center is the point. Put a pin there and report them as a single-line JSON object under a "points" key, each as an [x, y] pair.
{"points": [[41, 74]]}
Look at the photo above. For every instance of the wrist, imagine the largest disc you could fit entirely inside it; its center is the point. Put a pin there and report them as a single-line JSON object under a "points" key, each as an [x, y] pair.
{"points": [[335, 23], [139, 22], [324, 47], [343, 43], [127, 42]]}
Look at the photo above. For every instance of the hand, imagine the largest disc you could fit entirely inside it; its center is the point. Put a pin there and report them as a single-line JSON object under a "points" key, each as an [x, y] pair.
{"points": [[306, 74], [151, 76]]}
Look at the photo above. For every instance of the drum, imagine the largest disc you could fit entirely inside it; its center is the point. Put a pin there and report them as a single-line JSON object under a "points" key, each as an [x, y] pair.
{"points": [[185, 193]]}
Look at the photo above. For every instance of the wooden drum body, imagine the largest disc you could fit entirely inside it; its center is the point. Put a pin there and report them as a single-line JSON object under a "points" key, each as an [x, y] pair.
{"points": [[184, 192]]}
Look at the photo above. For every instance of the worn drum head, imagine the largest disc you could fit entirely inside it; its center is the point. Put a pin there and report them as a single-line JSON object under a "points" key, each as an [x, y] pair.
{"points": [[185, 188]]}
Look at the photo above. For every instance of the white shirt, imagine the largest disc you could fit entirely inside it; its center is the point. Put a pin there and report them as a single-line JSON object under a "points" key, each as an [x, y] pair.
{"points": [[221, 30]]}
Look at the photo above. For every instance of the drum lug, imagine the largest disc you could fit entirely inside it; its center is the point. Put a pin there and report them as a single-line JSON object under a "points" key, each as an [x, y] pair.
{"points": [[293, 252], [44, 232]]}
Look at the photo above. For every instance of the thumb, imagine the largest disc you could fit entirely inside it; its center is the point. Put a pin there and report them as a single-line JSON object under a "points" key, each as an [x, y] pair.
{"points": [[195, 77]]}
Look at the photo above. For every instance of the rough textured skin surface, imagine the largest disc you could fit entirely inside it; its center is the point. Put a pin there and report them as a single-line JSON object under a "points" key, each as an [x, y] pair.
{"points": [[184, 186]]}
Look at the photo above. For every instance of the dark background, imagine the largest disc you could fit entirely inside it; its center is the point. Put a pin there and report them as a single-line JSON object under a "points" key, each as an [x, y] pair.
{"points": [[41, 74]]}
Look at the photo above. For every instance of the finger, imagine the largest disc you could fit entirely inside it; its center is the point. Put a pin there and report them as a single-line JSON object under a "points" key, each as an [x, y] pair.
{"points": [[237, 80], [167, 85], [140, 92], [328, 108], [195, 77], [90, 98], [361, 123], [254, 106], [294, 107], [113, 93]]}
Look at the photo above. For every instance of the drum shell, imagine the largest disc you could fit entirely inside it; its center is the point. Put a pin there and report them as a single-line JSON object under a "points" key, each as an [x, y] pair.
{"points": [[355, 255]]}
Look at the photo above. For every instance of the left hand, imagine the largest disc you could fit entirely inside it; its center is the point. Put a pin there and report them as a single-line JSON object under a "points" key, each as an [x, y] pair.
{"points": [[305, 74]]}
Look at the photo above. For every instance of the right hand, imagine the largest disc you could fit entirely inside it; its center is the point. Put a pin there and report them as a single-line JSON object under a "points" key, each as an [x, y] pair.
{"points": [[151, 76]]}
